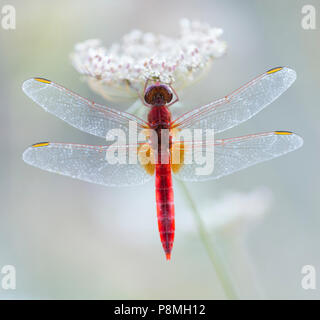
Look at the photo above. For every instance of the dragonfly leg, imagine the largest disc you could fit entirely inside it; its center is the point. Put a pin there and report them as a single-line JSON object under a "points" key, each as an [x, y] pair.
{"points": [[175, 93], [144, 92]]}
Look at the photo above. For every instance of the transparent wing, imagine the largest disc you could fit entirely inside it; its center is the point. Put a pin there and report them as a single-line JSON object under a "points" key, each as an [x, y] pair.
{"points": [[240, 105], [88, 163], [234, 154], [77, 111]]}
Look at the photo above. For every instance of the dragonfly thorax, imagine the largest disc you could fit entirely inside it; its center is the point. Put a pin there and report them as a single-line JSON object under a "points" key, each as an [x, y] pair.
{"points": [[158, 95]]}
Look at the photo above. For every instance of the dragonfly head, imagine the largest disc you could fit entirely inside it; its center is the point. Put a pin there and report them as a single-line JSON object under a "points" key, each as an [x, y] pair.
{"points": [[158, 95]]}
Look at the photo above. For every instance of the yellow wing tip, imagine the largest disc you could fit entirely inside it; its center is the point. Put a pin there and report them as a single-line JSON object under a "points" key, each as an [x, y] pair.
{"points": [[43, 80], [283, 132], [40, 144], [274, 70]]}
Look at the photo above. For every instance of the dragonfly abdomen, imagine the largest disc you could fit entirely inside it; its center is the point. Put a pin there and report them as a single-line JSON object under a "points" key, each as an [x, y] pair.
{"points": [[159, 119], [165, 207]]}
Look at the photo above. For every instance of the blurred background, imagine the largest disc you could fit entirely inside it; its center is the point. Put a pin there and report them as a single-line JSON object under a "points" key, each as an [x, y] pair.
{"points": [[72, 239]]}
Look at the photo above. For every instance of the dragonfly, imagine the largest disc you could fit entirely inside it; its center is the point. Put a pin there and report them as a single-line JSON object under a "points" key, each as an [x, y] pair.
{"points": [[88, 162]]}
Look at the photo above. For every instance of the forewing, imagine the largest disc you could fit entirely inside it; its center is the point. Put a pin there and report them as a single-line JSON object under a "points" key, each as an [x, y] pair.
{"points": [[88, 163], [234, 154], [77, 111], [240, 105]]}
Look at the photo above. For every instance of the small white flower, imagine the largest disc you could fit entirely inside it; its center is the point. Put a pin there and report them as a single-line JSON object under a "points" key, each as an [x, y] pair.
{"points": [[123, 68]]}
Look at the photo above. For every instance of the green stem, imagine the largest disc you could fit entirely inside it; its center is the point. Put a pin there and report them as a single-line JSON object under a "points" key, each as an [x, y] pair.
{"points": [[213, 249]]}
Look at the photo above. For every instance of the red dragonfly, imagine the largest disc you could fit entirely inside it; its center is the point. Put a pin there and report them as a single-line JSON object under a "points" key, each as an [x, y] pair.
{"points": [[88, 163]]}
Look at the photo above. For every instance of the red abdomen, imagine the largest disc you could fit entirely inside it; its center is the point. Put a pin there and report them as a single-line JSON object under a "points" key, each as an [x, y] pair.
{"points": [[165, 207], [159, 120]]}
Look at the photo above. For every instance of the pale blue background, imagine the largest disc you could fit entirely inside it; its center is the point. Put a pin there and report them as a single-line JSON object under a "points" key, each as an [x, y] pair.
{"points": [[71, 239]]}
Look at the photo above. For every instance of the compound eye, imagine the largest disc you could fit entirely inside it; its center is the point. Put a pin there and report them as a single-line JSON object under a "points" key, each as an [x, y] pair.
{"points": [[158, 95], [148, 97], [167, 95]]}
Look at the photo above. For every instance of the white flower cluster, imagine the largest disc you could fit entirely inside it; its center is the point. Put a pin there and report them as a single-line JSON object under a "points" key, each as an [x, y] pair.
{"points": [[140, 56]]}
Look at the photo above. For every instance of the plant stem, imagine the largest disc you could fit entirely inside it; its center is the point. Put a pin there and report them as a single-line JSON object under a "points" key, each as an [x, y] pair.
{"points": [[213, 249], [240, 262]]}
